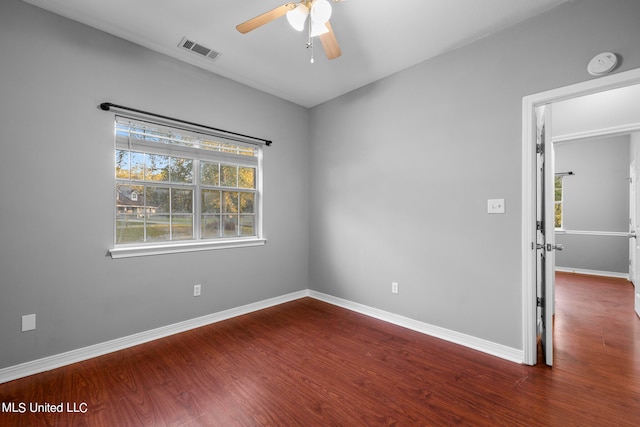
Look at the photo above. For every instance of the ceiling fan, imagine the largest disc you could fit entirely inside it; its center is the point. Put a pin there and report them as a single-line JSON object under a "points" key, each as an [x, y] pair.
{"points": [[318, 11]]}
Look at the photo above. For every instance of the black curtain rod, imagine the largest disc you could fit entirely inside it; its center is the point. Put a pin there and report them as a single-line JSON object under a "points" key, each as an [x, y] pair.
{"points": [[106, 106]]}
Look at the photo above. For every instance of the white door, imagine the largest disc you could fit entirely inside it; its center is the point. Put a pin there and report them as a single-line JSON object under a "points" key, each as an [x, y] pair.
{"points": [[634, 224], [632, 221], [546, 246]]}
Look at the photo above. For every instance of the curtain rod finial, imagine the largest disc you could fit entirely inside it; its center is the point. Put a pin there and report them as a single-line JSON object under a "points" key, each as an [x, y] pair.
{"points": [[105, 106]]}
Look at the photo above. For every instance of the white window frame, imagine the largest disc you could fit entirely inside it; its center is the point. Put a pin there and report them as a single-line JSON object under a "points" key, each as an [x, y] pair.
{"points": [[126, 250], [559, 202]]}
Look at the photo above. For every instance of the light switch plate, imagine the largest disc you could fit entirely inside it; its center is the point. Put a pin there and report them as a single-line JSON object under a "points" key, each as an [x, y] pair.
{"points": [[495, 206]]}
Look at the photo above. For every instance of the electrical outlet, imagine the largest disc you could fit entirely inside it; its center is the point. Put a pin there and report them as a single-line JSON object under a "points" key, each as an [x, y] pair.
{"points": [[196, 290], [394, 287], [28, 322]]}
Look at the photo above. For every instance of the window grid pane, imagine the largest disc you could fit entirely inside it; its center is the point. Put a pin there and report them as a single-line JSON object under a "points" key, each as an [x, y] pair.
{"points": [[210, 173], [131, 215], [246, 177], [247, 225], [229, 176]]}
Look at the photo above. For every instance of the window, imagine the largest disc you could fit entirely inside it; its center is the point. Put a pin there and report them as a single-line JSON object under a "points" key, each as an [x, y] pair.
{"points": [[181, 190], [558, 202]]}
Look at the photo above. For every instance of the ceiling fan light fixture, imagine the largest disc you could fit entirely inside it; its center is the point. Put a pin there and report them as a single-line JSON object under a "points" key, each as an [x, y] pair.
{"points": [[298, 16], [320, 11], [318, 29]]}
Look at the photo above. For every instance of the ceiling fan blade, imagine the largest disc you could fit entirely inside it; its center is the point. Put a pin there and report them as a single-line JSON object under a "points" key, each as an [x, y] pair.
{"points": [[330, 44], [265, 18]]}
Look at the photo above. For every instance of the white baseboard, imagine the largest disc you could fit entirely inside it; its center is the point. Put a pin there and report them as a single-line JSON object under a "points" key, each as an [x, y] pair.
{"points": [[74, 356], [494, 349], [593, 272]]}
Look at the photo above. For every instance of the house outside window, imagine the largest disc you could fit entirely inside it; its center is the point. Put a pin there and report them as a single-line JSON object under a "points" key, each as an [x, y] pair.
{"points": [[181, 187]]}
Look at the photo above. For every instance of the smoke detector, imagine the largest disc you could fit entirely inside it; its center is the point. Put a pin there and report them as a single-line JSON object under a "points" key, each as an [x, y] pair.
{"points": [[602, 63], [196, 48]]}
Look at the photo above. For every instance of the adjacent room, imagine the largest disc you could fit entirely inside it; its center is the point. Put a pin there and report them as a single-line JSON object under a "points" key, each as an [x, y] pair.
{"points": [[238, 213]]}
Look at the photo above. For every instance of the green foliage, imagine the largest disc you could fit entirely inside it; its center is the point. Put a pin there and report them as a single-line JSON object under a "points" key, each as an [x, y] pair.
{"points": [[558, 202]]}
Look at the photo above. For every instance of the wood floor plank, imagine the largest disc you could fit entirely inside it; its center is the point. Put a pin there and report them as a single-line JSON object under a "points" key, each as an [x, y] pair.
{"points": [[309, 363]]}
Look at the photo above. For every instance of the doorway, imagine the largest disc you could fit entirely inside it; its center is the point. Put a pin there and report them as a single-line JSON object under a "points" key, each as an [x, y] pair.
{"points": [[593, 200], [529, 192]]}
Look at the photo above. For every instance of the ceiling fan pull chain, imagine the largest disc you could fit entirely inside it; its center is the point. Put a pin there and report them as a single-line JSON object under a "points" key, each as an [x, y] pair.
{"points": [[310, 42]]}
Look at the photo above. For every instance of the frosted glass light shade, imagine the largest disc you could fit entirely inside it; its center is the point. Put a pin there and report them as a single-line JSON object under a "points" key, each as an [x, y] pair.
{"points": [[297, 17], [320, 11], [318, 29]]}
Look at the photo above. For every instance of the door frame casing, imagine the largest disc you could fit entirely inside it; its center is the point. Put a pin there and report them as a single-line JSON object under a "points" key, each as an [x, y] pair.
{"points": [[529, 104]]}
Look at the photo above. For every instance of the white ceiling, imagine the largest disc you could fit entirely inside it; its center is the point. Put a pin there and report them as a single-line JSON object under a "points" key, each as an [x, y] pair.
{"points": [[377, 38]]}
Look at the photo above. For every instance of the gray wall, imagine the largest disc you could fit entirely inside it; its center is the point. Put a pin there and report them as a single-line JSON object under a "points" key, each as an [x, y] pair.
{"points": [[402, 169], [56, 169], [595, 199]]}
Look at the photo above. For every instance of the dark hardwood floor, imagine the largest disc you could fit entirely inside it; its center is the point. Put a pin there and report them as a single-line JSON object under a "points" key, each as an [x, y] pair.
{"points": [[307, 363]]}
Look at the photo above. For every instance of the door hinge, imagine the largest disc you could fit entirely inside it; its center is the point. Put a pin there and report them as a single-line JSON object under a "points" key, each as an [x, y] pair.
{"points": [[540, 301], [539, 225], [539, 148]]}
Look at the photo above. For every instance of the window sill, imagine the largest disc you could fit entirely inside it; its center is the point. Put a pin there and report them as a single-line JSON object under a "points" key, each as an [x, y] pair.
{"points": [[128, 251]]}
